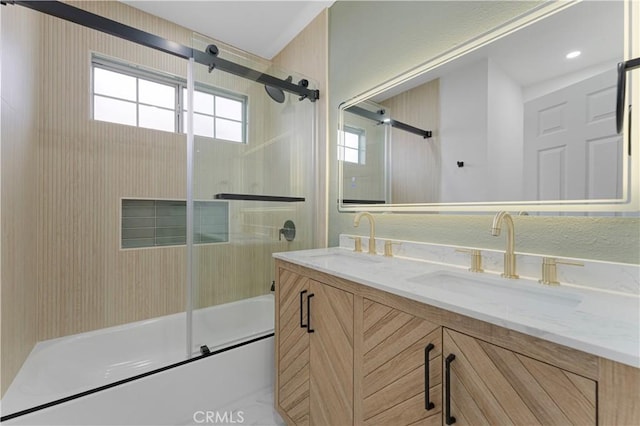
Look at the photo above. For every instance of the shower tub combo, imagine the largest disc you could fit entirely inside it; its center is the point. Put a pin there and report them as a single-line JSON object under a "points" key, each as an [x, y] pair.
{"points": [[71, 365]]}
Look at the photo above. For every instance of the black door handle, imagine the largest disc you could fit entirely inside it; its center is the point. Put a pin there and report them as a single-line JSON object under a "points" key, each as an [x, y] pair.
{"points": [[449, 419], [309, 329], [428, 405], [302, 324], [623, 67]]}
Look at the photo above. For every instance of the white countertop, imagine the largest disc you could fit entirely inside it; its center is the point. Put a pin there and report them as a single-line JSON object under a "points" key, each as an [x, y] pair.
{"points": [[597, 322]]}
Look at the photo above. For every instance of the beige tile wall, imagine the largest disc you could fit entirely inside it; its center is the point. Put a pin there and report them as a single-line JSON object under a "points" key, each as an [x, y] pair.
{"points": [[416, 168], [19, 199]]}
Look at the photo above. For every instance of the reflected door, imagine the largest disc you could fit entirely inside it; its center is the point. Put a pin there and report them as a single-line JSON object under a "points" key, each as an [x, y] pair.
{"points": [[572, 150]]}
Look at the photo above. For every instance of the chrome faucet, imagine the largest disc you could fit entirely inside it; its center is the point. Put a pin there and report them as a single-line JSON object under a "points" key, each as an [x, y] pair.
{"points": [[372, 229], [509, 254]]}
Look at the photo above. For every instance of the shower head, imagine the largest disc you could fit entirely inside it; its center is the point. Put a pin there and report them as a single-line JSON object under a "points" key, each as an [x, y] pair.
{"points": [[276, 93]]}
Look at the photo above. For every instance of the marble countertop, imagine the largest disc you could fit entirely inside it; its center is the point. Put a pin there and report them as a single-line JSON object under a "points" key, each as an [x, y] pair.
{"points": [[602, 323]]}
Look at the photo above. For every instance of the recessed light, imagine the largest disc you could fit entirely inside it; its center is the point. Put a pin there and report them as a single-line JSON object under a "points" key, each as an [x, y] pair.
{"points": [[573, 54]]}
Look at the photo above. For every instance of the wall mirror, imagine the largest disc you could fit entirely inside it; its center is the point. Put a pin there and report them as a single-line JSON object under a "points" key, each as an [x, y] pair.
{"points": [[522, 118]]}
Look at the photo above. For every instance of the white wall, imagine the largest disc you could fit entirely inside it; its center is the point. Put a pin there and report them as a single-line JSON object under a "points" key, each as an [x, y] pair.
{"points": [[481, 125], [505, 136], [463, 130]]}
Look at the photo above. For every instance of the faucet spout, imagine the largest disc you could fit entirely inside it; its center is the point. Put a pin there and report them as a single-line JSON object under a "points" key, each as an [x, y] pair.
{"points": [[372, 229], [509, 254]]}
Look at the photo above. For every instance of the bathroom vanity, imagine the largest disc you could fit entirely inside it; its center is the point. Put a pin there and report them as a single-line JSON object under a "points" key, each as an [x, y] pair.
{"points": [[368, 339]]}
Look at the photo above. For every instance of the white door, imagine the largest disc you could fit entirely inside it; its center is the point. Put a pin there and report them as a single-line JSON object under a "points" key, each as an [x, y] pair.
{"points": [[571, 149]]}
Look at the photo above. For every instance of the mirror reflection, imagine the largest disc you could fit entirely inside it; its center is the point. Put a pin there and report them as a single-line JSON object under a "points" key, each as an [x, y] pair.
{"points": [[528, 117]]}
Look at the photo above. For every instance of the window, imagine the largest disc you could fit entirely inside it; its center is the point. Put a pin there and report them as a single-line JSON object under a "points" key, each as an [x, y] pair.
{"points": [[216, 116], [353, 147], [125, 94]]}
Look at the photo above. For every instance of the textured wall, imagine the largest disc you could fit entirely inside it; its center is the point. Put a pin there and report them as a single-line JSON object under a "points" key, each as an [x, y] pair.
{"points": [[20, 35], [371, 42], [308, 54]]}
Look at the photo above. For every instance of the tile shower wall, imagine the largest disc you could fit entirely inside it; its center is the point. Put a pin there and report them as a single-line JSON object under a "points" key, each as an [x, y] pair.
{"points": [[154, 223], [19, 199]]}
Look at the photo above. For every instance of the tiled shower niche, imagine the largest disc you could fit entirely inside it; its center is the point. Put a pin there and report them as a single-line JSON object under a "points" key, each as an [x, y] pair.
{"points": [[155, 223]]}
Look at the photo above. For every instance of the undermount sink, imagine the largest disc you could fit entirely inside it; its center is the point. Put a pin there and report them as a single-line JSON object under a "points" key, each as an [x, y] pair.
{"points": [[520, 292]]}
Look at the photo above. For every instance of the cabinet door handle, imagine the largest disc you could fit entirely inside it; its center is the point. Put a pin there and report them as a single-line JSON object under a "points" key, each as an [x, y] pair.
{"points": [[309, 329], [449, 419], [428, 405], [302, 324]]}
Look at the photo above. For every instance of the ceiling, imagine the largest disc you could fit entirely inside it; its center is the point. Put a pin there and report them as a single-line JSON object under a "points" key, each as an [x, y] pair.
{"points": [[262, 28], [536, 53]]}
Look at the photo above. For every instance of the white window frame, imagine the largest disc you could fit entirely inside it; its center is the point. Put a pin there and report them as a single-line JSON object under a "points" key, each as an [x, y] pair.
{"points": [[362, 145], [179, 84]]}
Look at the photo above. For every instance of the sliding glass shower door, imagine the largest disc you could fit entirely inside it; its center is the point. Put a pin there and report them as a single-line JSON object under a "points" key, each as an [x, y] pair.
{"points": [[253, 195]]}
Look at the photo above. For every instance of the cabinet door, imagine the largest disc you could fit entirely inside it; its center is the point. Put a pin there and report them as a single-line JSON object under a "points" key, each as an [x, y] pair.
{"points": [[315, 351], [330, 317], [292, 342], [395, 348], [491, 385]]}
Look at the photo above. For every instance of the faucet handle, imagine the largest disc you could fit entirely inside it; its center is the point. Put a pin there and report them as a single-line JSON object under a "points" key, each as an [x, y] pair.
{"points": [[357, 244], [388, 247], [476, 259], [549, 269]]}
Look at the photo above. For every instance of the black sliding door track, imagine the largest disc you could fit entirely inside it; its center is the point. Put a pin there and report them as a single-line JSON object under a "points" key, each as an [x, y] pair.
{"points": [[128, 379], [208, 58]]}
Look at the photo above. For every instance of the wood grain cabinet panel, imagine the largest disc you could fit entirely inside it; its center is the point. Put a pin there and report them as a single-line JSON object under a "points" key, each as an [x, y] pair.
{"points": [[397, 347], [314, 344], [293, 348], [491, 385], [364, 363]]}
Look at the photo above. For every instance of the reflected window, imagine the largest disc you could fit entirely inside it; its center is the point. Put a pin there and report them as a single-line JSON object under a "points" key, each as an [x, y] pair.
{"points": [[352, 146], [126, 94]]}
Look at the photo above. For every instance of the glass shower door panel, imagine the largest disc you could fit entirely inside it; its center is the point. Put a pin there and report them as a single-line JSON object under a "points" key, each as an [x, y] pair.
{"points": [[260, 148]]}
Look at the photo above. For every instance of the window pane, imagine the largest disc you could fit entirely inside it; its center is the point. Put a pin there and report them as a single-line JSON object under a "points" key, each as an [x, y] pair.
{"points": [[202, 102], [157, 118], [228, 108], [351, 155], [202, 125], [228, 130], [351, 140], [114, 84], [162, 95], [114, 111]]}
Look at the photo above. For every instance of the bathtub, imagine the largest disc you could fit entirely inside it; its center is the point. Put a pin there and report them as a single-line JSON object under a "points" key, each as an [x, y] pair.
{"points": [[69, 365]]}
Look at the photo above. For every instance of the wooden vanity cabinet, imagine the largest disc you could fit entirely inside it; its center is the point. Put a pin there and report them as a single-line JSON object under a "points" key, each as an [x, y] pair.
{"points": [[314, 351], [402, 368], [358, 357], [487, 384]]}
